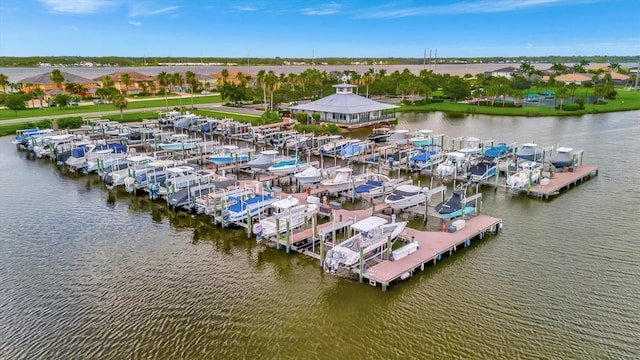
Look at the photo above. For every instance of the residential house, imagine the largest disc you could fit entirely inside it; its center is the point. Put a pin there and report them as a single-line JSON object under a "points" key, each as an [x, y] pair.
{"points": [[136, 85], [44, 82]]}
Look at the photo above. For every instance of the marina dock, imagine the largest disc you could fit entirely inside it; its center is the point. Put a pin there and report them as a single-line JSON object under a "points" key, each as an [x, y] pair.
{"points": [[562, 181], [432, 246]]}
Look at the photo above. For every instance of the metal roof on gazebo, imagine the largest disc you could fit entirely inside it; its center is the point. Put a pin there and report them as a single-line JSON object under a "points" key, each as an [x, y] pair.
{"points": [[343, 104]]}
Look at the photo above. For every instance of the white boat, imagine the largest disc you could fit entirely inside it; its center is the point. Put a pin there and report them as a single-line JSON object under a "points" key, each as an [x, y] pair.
{"points": [[136, 165], [267, 158], [455, 163], [310, 175], [353, 148], [104, 157], [379, 185], [288, 214], [472, 147], [179, 142], [263, 160], [336, 144], [240, 208], [528, 175], [298, 142], [179, 177], [287, 167], [424, 138], [372, 237], [405, 196], [215, 201], [343, 181], [398, 137], [230, 154]]}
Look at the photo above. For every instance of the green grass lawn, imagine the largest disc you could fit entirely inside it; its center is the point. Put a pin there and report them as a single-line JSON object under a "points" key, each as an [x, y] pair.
{"points": [[625, 100], [6, 114]]}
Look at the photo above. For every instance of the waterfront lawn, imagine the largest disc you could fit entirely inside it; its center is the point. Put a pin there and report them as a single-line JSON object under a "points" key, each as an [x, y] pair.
{"points": [[6, 114], [625, 100]]}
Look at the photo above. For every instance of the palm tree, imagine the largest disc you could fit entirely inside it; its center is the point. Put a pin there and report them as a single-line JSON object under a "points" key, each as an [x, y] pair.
{"points": [[260, 77], [107, 81], [272, 83], [57, 78], [192, 80], [225, 75], [39, 93], [4, 81], [125, 79], [164, 80], [527, 68], [120, 102], [614, 66], [558, 68], [178, 80], [562, 93]]}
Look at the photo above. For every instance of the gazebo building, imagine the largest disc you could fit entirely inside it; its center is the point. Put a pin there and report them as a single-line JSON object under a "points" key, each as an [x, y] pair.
{"points": [[348, 110]]}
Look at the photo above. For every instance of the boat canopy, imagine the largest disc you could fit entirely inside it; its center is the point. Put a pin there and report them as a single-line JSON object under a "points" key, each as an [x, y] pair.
{"points": [[368, 224], [287, 203]]}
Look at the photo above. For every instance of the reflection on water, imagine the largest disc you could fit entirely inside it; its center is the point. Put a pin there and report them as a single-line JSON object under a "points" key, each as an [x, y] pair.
{"points": [[90, 273]]}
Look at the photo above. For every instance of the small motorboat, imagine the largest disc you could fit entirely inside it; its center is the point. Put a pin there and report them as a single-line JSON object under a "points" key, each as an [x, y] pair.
{"points": [[528, 175], [455, 205], [405, 196], [310, 175], [563, 158]]}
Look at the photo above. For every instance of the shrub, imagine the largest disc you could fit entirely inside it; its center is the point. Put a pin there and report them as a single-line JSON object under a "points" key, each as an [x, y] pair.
{"points": [[580, 101], [302, 117], [571, 107]]}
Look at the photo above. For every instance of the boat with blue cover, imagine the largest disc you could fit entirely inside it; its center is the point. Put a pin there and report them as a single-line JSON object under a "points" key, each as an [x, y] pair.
{"points": [[379, 185], [455, 205], [353, 148], [498, 151], [485, 168], [238, 208]]}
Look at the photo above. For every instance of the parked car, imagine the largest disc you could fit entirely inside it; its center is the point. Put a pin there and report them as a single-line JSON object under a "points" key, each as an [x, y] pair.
{"points": [[52, 104], [97, 101], [206, 92], [73, 103]]}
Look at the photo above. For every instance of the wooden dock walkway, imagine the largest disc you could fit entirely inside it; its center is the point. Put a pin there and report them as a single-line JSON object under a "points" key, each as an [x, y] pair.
{"points": [[561, 181], [432, 245]]}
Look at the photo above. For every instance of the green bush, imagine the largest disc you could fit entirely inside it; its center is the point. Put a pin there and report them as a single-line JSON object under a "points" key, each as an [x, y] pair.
{"points": [[69, 123], [570, 107], [318, 129], [302, 117]]}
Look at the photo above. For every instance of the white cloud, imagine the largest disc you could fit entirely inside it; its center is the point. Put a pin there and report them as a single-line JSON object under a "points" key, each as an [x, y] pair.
{"points": [[145, 9], [467, 7], [135, 23], [246, 8], [322, 9], [77, 6]]}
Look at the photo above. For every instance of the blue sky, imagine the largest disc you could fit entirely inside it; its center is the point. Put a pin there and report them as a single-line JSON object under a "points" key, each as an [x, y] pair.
{"points": [[269, 28]]}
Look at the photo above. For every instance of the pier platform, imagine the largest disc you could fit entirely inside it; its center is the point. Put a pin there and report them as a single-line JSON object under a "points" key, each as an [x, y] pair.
{"points": [[561, 181], [432, 245]]}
